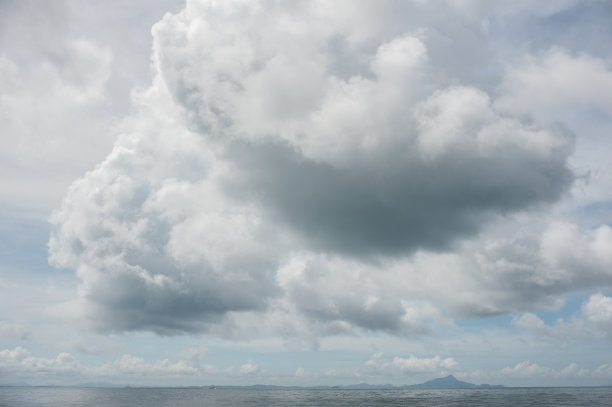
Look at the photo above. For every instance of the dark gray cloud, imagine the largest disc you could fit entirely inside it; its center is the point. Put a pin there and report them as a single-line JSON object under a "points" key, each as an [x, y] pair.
{"points": [[196, 299], [402, 205]]}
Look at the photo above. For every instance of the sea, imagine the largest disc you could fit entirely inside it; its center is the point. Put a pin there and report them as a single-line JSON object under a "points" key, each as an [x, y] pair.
{"points": [[190, 397]]}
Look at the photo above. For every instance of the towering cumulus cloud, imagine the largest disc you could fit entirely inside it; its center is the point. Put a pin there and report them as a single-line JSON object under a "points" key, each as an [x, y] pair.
{"points": [[324, 160]]}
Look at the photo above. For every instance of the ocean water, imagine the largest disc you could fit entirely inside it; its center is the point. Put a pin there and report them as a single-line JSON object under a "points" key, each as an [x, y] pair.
{"points": [[153, 397]]}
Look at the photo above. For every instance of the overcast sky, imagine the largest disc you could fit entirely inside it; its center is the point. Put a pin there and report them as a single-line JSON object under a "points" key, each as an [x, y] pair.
{"points": [[305, 192]]}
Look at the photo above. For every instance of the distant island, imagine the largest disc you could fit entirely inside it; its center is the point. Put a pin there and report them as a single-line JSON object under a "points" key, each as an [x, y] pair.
{"points": [[448, 382], [451, 382]]}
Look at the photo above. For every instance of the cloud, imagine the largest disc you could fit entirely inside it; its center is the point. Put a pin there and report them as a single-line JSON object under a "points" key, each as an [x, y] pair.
{"points": [[137, 367], [598, 311], [543, 84], [20, 364], [20, 361], [344, 294], [325, 173], [604, 370], [53, 87], [195, 354], [526, 369], [90, 347], [529, 373], [249, 368], [366, 149], [529, 370], [593, 322], [412, 365], [13, 330], [514, 265], [152, 269], [331, 372]]}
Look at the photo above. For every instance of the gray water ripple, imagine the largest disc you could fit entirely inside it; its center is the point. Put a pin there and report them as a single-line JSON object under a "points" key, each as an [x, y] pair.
{"points": [[181, 397]]}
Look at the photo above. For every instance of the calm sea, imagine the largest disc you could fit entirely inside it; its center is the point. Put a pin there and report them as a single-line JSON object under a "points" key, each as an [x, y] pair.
{"points": [[135, 397]]}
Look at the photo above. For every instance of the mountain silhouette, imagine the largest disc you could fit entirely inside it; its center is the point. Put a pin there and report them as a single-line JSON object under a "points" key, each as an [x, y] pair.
{"points": [[450, 382]]}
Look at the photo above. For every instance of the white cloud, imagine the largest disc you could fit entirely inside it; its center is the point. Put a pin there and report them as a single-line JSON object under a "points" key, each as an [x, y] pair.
{"points": [[249, 368], [342, 294], [412, 365], [53, 90], [90, 347], [501, 271], [331, 372], [13, 330], [20, 361], [593, 322], [544, 84], [567, 251], [159, 247], [526, 369], [604, 370], [528, 373], [573, 370], [138, 367], [195, 354], [529, 370], [598, 311], [20, 364]]}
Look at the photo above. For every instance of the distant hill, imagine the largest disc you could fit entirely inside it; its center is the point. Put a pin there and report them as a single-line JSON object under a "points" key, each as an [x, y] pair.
{"points": [[450, 382], [365, 386], [359, 386]]}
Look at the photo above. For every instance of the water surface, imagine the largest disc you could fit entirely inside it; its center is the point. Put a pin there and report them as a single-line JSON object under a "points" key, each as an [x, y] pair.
{"points": [[178, 397]]}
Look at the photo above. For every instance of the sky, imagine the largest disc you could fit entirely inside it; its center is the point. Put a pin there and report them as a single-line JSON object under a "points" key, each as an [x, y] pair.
{"points": [[306, 192]]}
